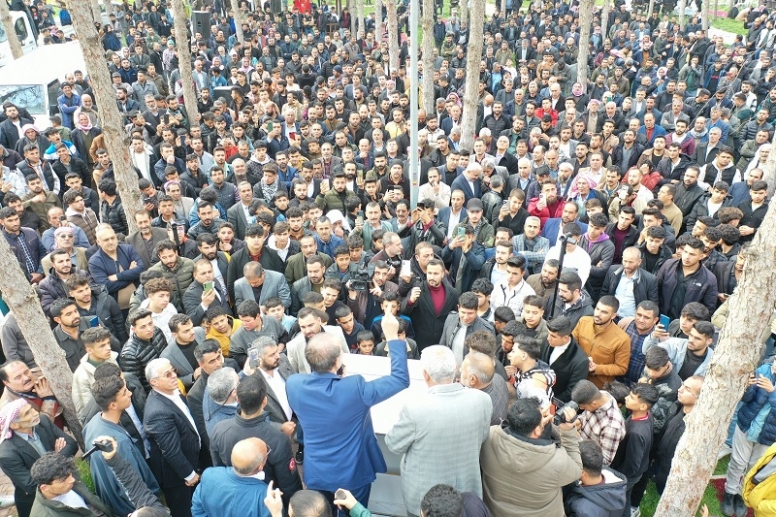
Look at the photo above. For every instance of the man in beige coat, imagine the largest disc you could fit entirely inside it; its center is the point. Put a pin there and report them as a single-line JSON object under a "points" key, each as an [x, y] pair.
{"points": [[526, 449]]}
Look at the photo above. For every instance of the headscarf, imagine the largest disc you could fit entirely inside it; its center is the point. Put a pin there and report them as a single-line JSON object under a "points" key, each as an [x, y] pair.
{"points": [[8, 415], [86, 127], [335, 216], [576, 90], [27, 127]]}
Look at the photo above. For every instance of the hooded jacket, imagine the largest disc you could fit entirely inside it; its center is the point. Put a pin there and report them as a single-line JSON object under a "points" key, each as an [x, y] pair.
{"points": [[543, 467], [604, 500]]}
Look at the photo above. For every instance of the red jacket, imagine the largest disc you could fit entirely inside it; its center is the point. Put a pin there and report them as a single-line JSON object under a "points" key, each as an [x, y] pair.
{"points": [[549, 211]]}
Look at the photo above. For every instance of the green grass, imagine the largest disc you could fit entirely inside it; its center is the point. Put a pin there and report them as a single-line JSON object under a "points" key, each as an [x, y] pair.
{"points": [[651, 499], [729, 25], [85, 473]]}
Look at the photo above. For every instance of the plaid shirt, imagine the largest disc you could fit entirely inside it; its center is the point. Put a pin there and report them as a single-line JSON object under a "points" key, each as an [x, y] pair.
{"points": [[604, 426], [637, 359]]}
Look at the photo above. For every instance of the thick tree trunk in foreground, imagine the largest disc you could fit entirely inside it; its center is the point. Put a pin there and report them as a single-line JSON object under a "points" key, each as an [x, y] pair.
{"points": [[585, 24], [651, 8], [769, 170], [112, 121], [96, 11], [182, 44], [238, 21], [24, 303], [682, 7], [13, 39], [705, 15], [427, 102], [503, 10], [473, 57], [736, 356], [393, 34], [361, 27]]}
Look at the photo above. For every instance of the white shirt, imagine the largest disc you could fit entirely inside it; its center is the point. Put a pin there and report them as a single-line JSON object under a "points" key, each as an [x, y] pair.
{"points": [[578, 259], [278, 385], [138, 423], [503, 295], [624, 294], [72, 500], [178, 401], [557, 351], [453, 222], [458, 343]]}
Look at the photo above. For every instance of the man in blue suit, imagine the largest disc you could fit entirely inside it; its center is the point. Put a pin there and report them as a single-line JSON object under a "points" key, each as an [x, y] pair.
{"points": [[341, 450], [469, 182]]}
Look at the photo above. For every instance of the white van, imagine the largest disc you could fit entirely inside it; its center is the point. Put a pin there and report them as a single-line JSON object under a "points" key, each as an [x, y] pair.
{"points": [[33, 81], [23, 31]]}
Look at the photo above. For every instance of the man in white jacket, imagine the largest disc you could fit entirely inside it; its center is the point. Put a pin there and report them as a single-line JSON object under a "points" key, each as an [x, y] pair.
{"points": [[513, 289]]}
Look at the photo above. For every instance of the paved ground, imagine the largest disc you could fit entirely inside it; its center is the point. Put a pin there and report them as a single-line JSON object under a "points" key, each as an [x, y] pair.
{"points": [[6, 490]]}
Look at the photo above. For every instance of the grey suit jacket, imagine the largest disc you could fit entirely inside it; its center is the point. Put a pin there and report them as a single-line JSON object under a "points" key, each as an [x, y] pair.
{"points": [[236, 216], [447, 418], [136, 241], [179, 361], [273, 408], [296, 347], [274, 285]]}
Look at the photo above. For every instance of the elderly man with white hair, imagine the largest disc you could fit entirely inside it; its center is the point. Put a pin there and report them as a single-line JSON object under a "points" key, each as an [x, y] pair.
{"points": [[220, 400], [470, 182], [440, 432]]}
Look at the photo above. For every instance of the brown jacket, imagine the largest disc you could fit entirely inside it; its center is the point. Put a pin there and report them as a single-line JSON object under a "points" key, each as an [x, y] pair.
{"points": [[609, 349]]}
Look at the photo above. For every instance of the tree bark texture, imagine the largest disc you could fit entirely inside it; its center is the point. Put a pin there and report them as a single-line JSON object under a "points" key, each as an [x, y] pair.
{"points": [[428, 101], [585, 23], [604, 18], [503, 8], [735, 358], [651, 8], [463, 7], [238, 21], [96, 11], [705, 14], [393, 34], [360, 12], [111, 120], [378, 21], [182, 44], [25, 305], [682, 7], [473, 58], [13, 39]]}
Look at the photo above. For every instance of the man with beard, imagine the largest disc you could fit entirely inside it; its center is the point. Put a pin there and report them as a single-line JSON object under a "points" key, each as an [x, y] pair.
{"points": [[256, 251], [311, 324], [429, 304], [145, 239], [53, 286], [178, 270], [207, 245], [531, 245], [95, 301], [334, 198], [366, 304], [543, 283], [68, 330]]}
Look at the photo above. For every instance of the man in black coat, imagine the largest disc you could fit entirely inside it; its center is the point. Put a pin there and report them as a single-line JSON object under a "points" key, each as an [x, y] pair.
{"points": [[254, 247], [644, 284], [31, 437], [562, 352], [196, 301], [422, 305], [175, 442]]}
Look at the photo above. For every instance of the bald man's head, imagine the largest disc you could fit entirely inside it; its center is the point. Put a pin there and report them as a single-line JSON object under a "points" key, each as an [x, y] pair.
{"points": [[477, 370], [323, 351], [249, 456]]}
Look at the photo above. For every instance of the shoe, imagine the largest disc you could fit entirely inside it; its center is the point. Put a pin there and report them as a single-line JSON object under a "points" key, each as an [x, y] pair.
{"points": [[635, 511], [740, 506], [299, 457], [724, 452], [728, 505]]}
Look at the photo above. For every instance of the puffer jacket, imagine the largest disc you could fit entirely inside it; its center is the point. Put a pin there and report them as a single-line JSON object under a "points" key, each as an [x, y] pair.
{"points": [[181, 277], [754, 399], [137, 353], [543, 466], [114, 216], [604, 500], [333, 200], [761, 496]]}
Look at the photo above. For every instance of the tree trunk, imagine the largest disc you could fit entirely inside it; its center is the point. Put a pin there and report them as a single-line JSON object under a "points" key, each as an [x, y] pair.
{"points": [[585, 22], [428, 100], [682, 7], [112, 121], [651, 8], [378, 22], [730, 4], [604, 17], [238, 21], [393, 34], [34, 325], [13, 39], [736, 356], [463, 6], [504, 9], [96, 11], [360, 13], [182, 44], [473, 58], [705, 14], [353, 11]]}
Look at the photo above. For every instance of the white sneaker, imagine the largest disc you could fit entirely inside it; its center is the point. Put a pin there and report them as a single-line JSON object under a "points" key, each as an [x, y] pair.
{"points": [[725, 451], [635, 511]]}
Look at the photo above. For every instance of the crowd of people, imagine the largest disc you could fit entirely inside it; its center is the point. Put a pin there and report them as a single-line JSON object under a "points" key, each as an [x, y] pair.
{"points": [[562, 281]]}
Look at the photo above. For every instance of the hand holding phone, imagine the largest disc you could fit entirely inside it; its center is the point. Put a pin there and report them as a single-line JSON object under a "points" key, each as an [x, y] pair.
{"points": [[208, 286]]}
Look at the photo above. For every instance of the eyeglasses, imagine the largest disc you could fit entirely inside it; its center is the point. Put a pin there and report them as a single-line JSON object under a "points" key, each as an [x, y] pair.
{"points": [[169, 374]]}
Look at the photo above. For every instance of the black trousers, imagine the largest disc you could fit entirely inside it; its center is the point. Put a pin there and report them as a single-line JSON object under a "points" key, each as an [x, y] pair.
{"points": [[178, 500]]}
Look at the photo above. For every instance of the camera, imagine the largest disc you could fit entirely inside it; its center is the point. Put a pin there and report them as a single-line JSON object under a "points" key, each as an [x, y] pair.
{"points": [[560, 417], [360, 280]]}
